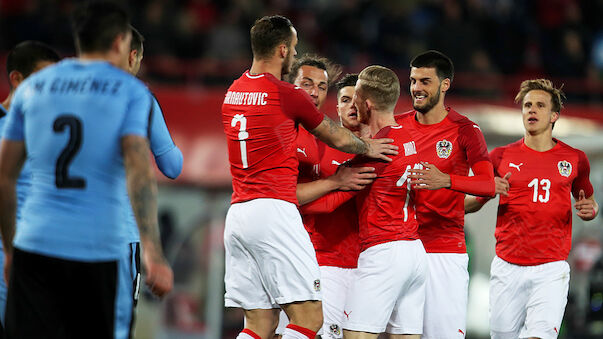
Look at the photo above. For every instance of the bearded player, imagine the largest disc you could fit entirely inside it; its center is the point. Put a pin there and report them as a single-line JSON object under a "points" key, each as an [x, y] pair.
{"points": [[529, 276]]}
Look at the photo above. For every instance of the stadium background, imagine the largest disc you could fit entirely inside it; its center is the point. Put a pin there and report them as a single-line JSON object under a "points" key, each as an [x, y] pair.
{"points": [[195, 48]]}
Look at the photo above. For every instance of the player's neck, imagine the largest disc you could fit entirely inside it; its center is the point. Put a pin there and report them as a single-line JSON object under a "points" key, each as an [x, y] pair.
{"points": [[541, 142], [434, 115], [266, 66], [379, 120], [100, 56], [7, 101]]}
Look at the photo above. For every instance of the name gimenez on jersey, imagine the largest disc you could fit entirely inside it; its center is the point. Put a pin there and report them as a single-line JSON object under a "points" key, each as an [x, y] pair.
{"points": [[79, 86], [246, 98]]}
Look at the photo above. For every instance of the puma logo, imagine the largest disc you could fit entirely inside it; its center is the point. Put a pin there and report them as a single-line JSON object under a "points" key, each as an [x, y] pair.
{"points": [[515, 166], [302, 151], [333, 162], [347, 314], [461, 332]]}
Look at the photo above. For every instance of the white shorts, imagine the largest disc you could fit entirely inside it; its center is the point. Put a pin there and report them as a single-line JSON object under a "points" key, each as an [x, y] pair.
{"points": [[388, 291], [527, 301], [336, 283], [446, 296], [269, 257]]}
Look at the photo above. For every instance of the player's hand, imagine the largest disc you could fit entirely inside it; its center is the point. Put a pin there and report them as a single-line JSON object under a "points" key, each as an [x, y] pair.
{"points": [[502, 184], [354, 178], [8, 260], [380, 148], [587, 208], [429, 177], [159, 275]]}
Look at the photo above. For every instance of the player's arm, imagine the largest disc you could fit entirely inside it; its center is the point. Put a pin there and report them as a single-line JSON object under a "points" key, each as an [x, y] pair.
{"points": [[168, 156], [142, 190], [586, 208], [474, 204], [344, 140], [12, 157], [345, 179], [328, 203]]}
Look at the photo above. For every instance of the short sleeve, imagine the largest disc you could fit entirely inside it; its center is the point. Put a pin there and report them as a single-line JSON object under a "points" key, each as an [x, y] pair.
{"points": [[582, 181], [472, 140], [14, 127], [159, 135], [297, 105], [136, 121], [496, 157]]}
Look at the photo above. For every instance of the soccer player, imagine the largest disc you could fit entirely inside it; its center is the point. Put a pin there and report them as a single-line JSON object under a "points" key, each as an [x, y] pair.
{"points": [[529, 277], [23, 60], [270, 260], [168, 158], [84, 122], [388, 287], [449, 144]]}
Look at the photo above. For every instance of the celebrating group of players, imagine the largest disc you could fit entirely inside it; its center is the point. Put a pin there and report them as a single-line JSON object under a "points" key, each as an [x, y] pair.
{"points": [[357, 229]]}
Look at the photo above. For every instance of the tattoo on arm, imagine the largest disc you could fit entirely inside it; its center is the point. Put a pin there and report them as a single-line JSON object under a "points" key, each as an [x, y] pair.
{"points": [[340, 138]]}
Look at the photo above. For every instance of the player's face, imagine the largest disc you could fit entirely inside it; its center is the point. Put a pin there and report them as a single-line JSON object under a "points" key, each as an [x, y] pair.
{"points": [[346, 110], [425, 88], [537, 112], [291, 53], [124, 50], [135, 61], [314, 81], [360, 105]]}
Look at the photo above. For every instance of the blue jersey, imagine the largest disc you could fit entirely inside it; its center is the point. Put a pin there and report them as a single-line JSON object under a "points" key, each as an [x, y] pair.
{"points": [[72, 117], [167, 156]]}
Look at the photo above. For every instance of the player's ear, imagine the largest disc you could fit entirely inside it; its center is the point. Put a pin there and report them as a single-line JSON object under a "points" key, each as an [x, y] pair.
{"points": [[445, 85], [554, 117], [132, 57], [15, 78]]}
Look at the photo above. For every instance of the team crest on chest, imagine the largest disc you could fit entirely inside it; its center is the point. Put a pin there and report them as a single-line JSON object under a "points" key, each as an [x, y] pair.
{"points": [[565, 168], [443, 148]]}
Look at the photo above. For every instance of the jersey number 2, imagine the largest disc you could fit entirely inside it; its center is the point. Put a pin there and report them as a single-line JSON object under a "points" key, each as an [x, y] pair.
{"points": [[62, 178]]}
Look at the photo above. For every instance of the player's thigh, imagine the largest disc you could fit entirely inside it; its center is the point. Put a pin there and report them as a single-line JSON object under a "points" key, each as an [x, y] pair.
{"points": [[379, 279], [509, 292], [242, 278], [34, 302], [446, 295], [546, 304], [336, 283], [128, 290], [407, 316]]}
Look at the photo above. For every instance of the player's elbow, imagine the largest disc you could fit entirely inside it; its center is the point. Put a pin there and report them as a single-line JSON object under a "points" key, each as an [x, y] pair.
{"points": [[170, 163]]}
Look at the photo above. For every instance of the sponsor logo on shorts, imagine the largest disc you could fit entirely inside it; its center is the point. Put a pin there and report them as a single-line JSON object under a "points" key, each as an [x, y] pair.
{"points": [[444, 148], [565, 168], [335, 329], [555, 328], [317, 285], [461, 332]]}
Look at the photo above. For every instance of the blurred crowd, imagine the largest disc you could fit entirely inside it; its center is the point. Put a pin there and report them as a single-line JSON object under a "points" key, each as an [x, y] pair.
{"points": [[207, 41]]}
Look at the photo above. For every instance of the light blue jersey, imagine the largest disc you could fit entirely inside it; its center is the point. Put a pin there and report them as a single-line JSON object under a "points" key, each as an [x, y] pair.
{"points": [[72, 117], [167, 156]]}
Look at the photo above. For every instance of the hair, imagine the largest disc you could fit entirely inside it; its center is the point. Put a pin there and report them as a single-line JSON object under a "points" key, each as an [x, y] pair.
{"points": [[381, 85], [269, 32], [333, 71], [434, 59], [557, 96], [137, 40], [96, 24], [347, 80], [24, 57]]}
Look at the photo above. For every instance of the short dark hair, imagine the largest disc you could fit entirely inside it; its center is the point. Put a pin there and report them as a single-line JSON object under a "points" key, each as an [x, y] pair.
{"points": [[313, 60], [96, 24], [434, 59], [380, 84], [24, 57], [137, 40], [267, 33], [349, 79]]}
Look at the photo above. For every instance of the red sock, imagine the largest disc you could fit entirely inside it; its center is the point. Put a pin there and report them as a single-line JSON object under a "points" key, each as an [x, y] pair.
{"points": [[298, 332], [248, 334]]}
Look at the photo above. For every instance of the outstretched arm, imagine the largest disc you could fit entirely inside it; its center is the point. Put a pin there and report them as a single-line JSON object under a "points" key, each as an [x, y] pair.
{"points": [[345, 179], [481, 184]]}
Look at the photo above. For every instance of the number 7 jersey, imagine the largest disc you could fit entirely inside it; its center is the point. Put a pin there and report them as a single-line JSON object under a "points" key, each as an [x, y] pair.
{"points": [[260, 115], [72, 117], [534, 224]]}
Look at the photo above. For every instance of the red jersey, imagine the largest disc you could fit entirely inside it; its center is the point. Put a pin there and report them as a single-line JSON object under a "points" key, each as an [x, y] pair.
{"points": [[335, 235], [309, 165], [260, 115], [534, 223], [453, 145], [386, 210]]}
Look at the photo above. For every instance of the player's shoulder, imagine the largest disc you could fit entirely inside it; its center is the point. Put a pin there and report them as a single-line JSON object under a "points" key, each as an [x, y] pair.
{"points": [[500, 150], [404, 116], [461, 120], [567, 148]]}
